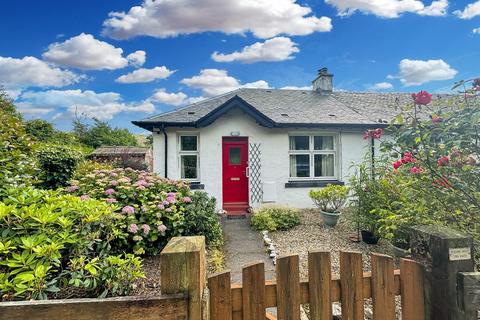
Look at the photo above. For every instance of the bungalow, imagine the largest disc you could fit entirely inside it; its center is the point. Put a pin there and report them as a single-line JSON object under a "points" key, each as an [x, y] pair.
{"points": [[249, 147]]}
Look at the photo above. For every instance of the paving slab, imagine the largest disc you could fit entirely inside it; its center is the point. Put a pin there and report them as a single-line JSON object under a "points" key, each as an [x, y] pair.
{"points": [[243, 246]]}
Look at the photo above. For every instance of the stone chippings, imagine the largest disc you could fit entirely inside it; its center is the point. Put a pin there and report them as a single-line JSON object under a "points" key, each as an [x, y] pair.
{"points": [[312, 235]]}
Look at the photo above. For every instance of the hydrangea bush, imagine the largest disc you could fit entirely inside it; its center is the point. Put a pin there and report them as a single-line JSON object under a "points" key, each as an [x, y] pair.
{"points": [[153, 208]]}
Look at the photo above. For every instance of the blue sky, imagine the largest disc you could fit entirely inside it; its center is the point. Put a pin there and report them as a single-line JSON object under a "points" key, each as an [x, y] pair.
{"points": [[127, 60]]}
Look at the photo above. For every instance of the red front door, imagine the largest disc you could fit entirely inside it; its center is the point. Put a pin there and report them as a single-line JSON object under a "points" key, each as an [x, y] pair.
{"points": [[235, 175]]}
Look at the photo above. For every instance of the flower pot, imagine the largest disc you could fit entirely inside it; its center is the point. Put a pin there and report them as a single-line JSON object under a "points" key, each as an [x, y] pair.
{"points": [[400, 252], [369, 238], [330, 219]]}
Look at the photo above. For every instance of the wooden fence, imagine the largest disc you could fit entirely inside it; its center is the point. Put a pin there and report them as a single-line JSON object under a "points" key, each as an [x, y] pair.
{"points": [[249, 300], [184, 295]]}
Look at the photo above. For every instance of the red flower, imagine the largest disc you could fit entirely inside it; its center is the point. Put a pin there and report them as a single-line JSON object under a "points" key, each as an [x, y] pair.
{"points": [[422, 98], [436, 119], [407, 157], [397, 164], [416, 170], [376, 134], [443, 161]]}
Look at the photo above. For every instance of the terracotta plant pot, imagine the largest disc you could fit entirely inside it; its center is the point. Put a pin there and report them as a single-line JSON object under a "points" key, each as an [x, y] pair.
{"points": [[330, 219], [369, 238]]}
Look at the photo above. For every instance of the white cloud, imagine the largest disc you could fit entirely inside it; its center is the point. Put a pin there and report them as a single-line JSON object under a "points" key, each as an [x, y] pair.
{"points": [[381, 86], [470, 11], [389, 8], [87, 53], [32, 72], [296, 88], [103, 106], [137, 58], [214, 81], [275, 49], [170, 18], [175, 99], [417, 72], [476, 31], [145, 75]]}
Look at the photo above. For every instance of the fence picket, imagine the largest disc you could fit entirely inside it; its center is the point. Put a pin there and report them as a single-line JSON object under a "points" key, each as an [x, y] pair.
{"points": [[288, 288], [351, 282], [220, 296], [253, 291], [319, 280], [411, 284], [383, 287]]}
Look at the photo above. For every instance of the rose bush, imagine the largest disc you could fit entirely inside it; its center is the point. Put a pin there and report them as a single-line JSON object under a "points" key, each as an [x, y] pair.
{"points": [[430, 165], [153, 208]]}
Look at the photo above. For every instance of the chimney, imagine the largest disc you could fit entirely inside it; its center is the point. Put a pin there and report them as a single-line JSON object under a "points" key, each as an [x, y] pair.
{"points": [[324, 81]]}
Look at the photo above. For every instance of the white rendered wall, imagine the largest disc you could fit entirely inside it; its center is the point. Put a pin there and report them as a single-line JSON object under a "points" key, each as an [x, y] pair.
{"points": [[274, 155]]}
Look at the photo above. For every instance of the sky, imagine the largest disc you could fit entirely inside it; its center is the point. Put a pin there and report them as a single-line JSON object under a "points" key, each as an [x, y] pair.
{"points": [[127, 60]]}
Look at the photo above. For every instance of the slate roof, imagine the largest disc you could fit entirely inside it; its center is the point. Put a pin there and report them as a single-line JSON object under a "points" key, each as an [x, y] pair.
{"points": [[288, 108]]}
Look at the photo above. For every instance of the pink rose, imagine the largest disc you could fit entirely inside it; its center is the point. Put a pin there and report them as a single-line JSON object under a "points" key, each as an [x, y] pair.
{"points": [[422, 98]]}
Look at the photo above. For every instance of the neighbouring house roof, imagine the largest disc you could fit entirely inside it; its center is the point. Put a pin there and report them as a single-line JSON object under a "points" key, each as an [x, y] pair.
{"points": [[290, 108], [119, 150]]}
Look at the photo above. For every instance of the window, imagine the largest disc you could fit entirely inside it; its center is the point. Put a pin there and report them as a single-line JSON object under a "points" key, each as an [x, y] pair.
{"points": [[312, 156], [234, 156], [189, 157]]}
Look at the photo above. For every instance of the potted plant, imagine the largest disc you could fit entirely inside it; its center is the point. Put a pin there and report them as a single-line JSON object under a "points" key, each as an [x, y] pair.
{"points": [[330, 200]]}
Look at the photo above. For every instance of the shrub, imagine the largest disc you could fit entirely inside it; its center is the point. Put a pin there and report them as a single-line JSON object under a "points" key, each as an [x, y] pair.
{"points": [[57, 164], [201, 219], [51, 241], [275, 218], [329, 199], [154, 207], [88, 166], [17, 166]]}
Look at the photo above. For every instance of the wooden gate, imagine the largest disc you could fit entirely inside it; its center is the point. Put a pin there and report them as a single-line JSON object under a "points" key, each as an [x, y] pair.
{"points": [[249, 300]]}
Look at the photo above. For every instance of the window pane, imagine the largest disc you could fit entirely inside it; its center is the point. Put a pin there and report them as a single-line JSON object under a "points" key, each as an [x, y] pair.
{"points": [[189, 166], [323, 142], [300, 166], [234, 156], [188, 143], [324, 165], [299, 143]]}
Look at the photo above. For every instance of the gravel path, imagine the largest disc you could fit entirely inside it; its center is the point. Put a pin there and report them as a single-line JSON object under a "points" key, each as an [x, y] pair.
{"points": [[312, 235]]}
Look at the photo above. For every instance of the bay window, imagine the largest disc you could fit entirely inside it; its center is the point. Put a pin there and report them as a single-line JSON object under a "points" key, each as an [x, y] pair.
{"points": [[189, 157], [313, 156]]}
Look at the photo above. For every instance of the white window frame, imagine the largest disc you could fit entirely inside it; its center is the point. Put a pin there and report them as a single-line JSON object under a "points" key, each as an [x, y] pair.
{"points": [[311, 153], [188, 153]]}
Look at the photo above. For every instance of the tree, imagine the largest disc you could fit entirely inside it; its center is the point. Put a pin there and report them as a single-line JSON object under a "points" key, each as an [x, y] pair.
{"points": [[16, 148], [100, 133], [40, 129]]}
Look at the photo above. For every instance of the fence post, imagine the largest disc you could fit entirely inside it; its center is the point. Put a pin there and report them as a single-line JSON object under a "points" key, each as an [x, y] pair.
{"points": [[444, 253], [469, 294], [182, 270]]}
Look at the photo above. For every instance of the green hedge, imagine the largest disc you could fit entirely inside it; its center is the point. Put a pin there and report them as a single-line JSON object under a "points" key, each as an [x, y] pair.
{"points": [[275, 218]]}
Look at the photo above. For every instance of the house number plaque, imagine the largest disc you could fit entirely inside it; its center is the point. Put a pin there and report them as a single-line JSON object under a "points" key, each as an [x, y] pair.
{"points": [[459, 254]]}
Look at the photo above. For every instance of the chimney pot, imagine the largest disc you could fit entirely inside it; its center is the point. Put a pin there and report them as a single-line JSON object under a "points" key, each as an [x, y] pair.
{"points": [[324, 81]]}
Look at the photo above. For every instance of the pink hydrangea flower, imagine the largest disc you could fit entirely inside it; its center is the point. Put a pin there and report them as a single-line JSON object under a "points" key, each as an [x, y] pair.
{"points": [[161, 206], [187, 199], [165, 203], [72, 188], [171, 194], [145, 228], [109, 192], [114, 183], [84, 197], [128, 210], [162, 228], [171, 199], [111, 200], [133, 228], [168, 209]]}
